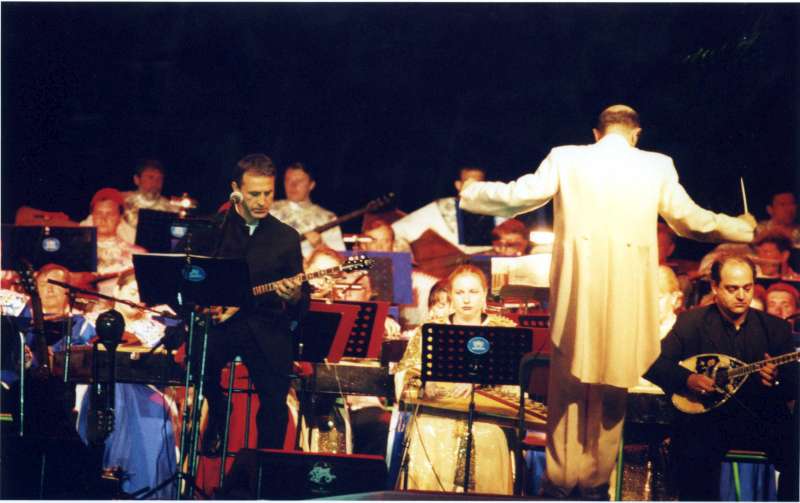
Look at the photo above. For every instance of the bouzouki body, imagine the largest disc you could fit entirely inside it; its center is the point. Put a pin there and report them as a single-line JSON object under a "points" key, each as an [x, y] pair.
{"points": [[716, 367]]}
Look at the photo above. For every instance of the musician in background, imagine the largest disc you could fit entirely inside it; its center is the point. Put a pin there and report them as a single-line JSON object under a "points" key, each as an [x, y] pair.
{"points": [[55, 308], [772, 257], [757, 417], [438, 215], [511, 239], [782, 211], [105, 213], [437, 444], [782, 300], [115, 248], [261, 332], [381, 237], [149, 181], [298, 211]]}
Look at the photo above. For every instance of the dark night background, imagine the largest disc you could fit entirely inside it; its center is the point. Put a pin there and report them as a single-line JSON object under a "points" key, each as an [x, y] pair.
{"points": [[389, 97]]}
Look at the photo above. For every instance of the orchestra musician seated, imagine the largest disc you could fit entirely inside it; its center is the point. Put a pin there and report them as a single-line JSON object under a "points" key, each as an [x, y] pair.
{"points": [[772, 257], [782, 211], [782, 300], [438, 215], [381, 237], [436, 443], [511, 239], [298, 211], [114, 252], [756, 415]]}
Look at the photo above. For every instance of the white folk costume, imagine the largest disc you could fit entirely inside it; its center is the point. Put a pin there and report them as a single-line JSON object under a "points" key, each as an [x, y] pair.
{"points": [[437, 444], [604, 285], [305, 217]]}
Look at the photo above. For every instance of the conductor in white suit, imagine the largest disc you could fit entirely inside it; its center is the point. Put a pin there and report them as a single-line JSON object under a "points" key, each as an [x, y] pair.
{"points": [[604, 283]]}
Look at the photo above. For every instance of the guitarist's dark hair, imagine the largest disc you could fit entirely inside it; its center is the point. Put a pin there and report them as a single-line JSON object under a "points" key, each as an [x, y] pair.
{"points": [[716, 267], [256, 163]]}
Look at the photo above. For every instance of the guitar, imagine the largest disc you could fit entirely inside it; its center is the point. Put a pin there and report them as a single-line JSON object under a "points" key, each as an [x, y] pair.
{"points": [[354, 263], [728, 374], [40, 350], [371, 206]]}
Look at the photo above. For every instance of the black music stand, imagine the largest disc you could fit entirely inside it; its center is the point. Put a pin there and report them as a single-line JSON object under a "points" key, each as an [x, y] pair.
{"points": [[473, 229], [475, 355], [191, 281], [72, 247]]}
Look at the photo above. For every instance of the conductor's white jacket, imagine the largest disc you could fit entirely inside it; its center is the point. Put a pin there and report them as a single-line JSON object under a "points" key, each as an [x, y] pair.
{"points": [[604, 289]]}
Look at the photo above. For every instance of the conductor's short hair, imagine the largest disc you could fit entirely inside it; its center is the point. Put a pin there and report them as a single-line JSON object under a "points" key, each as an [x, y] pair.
{"points": [[618, 115]]}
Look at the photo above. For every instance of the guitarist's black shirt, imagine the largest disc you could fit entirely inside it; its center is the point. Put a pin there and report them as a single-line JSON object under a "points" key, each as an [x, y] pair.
{"points": [[705, 330]]}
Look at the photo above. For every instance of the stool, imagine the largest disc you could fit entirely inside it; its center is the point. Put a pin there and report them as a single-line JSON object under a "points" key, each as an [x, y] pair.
{"points": [[736, 456], [231, 390]]}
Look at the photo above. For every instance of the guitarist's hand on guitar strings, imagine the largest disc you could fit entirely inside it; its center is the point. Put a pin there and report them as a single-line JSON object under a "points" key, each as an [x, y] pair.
{"points": [[700, 383], [768, 373], [289, 289]]}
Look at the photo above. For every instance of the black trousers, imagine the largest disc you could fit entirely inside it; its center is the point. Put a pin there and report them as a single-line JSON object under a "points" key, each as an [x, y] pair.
{"points": [[699, 444], [266, 348]]}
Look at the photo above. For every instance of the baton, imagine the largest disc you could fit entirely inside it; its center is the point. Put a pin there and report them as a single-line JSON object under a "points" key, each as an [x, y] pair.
{"points": [[744, 194]]}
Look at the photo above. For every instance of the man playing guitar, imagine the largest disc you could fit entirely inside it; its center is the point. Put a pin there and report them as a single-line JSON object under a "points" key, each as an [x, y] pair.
{"points": [[752, 415], [260, 332]]}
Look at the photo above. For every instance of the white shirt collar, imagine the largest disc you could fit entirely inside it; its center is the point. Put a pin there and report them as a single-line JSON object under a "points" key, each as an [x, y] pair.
{"points": [[614, 139]]}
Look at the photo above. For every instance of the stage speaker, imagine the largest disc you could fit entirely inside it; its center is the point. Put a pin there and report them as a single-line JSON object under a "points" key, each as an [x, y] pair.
{"points": [[277, 474]]}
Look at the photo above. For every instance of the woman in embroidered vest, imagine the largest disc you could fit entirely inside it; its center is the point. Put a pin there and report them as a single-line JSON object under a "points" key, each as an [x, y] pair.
{"points": [[437, 443]]}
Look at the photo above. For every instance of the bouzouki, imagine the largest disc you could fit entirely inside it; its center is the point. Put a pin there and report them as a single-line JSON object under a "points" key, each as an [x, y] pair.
{"points": [[354, 263], [372, 206], [728, 374]]}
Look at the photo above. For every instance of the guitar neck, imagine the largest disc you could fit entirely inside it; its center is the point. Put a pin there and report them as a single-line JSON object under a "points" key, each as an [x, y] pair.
{"points": [[756, 366], [338, 221], [303, 277]]}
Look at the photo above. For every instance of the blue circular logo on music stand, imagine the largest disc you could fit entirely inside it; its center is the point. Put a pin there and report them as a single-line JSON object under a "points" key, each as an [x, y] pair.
{"points": [[194, 273], [178, 231], [478, 345], [51, 244]]}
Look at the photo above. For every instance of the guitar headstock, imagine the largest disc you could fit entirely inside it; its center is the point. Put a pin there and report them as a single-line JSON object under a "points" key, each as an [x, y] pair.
{"points": [[380, 202], [357, 263], [27, 277]]}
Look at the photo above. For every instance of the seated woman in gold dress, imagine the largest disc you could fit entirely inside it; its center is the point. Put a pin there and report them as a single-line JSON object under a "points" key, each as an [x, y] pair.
{"points": [[437, 443]]}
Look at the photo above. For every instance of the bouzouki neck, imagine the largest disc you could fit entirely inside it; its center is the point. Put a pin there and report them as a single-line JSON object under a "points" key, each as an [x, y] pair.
{"points": [[756, 366]]}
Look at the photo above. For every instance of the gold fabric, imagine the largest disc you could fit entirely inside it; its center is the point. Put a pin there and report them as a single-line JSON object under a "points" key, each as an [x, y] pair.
{"points": [[437, 443]]}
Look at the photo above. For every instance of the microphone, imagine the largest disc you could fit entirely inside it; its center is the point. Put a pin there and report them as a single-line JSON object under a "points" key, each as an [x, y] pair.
{"points": [[236, 197]]}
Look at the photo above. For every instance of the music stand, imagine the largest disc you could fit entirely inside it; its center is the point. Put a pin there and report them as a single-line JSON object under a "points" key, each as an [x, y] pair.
{"points": [[191, 281], [72, 247], [475, 355], [366, 335], [328, 346]]}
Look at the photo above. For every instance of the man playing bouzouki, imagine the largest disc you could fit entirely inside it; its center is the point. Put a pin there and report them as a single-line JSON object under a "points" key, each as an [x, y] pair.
{"points": [[755, 416]]}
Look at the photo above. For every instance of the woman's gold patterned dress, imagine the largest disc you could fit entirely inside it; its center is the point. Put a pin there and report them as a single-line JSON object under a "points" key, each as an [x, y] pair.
{"points": [[437, 444]]}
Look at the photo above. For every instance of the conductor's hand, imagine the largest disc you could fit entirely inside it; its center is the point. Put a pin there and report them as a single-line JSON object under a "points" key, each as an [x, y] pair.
{"points": [[748, 219], [289, 290], [768, 373], [700, 384]]}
